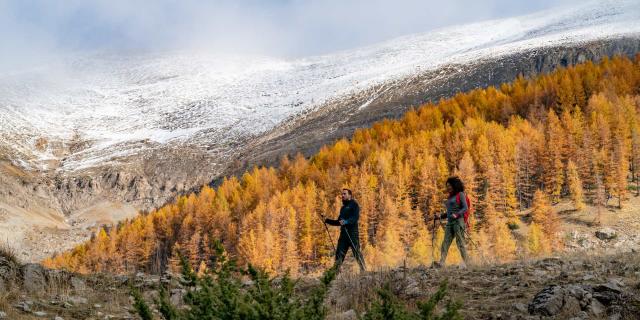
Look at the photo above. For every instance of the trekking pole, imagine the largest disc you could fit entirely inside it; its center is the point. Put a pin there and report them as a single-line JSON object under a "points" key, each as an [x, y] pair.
{"points": [[357, 250], [475, 245], [333, 244]]}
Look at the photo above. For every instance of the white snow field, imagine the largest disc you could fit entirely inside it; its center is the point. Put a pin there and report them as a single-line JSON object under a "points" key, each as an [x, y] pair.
{"points": [[123, 105]]}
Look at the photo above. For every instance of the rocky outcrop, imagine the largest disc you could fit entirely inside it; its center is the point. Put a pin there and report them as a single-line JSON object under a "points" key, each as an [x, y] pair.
{"points": [[606, 234], [31, 291], [33, 278], [582, 301]]}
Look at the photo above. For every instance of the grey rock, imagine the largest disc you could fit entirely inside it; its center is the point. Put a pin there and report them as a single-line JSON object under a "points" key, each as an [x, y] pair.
{"points": [[23, 306], [33, 277], [581, 316], [413, 289], [58, 318], [520, 307], [247, 283], [616, 283], [607, 298], [78, 284], [607, 293], [547, 302], [571, 305], [555, 300], [615, 316], [77, 300], [596, 308], [3, 315], [40, 314], [539, 273], [606, 234], [176, 296], [582, 293], [609, 286], [122, 279]]}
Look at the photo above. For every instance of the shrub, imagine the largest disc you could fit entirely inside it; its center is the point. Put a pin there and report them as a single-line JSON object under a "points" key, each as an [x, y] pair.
{"points": [[220, 294], [389, 308], [141, 307], [8, 253]]}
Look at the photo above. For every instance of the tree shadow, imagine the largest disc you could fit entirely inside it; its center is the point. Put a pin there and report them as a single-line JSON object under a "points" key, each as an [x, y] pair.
{"points": [[567, 212], [587, 223]]}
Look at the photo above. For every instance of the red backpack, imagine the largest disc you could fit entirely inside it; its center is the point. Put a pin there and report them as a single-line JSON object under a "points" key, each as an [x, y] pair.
{"points": [[469, 208]]}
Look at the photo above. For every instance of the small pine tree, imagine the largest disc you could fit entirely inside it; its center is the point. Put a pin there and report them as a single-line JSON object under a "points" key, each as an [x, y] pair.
{"points": [[388, 307], [544, 215], [575, 186], [536, 245], [504, 245], [167, 310], [427, 309], [141, 307]]}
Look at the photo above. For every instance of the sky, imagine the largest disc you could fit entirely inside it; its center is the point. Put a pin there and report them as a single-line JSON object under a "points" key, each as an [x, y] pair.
{"points": [[35, 31]]}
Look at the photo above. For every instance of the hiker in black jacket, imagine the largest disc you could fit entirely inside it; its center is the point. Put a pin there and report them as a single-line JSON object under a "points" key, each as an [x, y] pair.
{"points": [[349, 235]]}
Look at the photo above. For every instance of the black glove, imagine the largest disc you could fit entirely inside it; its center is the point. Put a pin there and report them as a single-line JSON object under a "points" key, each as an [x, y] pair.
{"points": [[332, 222]]}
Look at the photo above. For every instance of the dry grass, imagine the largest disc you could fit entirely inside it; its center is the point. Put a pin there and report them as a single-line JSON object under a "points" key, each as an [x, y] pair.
{"points": [[485, 290], [8, 253]]}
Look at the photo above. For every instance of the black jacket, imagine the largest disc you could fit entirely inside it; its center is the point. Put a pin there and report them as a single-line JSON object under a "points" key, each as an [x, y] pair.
{"points": [[350, 213]]}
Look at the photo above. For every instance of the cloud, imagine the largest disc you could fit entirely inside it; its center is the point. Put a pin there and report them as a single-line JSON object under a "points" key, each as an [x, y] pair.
{"points": [[34, 30]]}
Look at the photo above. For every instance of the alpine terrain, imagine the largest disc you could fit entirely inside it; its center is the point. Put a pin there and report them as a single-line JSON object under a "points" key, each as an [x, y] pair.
{"points": [[182, 184], [92, 139]]}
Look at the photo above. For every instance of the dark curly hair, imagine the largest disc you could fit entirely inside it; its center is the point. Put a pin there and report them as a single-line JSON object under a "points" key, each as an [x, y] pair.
{"points": [[456, 184]]}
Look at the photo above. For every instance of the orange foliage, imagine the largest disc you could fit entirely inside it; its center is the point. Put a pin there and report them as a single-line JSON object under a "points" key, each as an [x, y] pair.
{"points": [[509, 141]]}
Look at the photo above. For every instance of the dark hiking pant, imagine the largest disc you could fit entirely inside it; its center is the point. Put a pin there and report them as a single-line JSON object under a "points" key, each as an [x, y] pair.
{"points": [[451, 230], [349, 239]]}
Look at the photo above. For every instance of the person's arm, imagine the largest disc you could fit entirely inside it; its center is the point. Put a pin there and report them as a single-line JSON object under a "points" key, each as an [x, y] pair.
{"points": [[463, 206], [354, 215], [332, 222]]}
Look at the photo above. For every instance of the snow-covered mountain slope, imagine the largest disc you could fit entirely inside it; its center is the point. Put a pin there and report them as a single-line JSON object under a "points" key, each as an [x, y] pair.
{"points": [[94, 109]]}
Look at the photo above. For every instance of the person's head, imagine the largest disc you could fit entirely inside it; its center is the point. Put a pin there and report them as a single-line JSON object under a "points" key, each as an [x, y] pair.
{"points": [[454, 185], [346, 194]]}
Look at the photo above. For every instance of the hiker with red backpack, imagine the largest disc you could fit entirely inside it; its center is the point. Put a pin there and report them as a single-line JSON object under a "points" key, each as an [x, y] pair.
{"points": [[458, 209]]}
